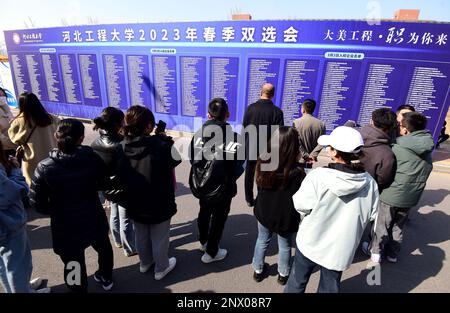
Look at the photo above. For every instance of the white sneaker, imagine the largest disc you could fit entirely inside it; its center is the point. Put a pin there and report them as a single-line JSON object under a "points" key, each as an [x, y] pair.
{"points": [[36, 283], [129, 255], [375, 258], [161, 275], [144, 268], [221, 254], [203, 247], [43, 290]]}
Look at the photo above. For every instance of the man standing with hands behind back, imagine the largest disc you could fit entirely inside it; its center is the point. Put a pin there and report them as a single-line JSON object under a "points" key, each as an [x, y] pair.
{"points": [[309, 129]]}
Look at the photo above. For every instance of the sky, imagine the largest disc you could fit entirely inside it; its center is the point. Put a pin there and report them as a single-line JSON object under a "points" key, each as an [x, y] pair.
{"points": [[19, 14]]}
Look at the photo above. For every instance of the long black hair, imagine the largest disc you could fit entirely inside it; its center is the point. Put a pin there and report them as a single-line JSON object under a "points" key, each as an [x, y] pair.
{"points": [[68, 134], [351, 160], [289, 149], [33, 111]]}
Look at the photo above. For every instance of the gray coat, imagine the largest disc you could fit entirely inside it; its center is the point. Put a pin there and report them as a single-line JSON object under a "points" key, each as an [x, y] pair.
{"points": [[309, 129]]}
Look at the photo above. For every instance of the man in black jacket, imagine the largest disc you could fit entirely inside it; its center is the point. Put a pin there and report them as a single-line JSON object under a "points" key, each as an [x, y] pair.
{"points": [[265, 118], [216, 166]]}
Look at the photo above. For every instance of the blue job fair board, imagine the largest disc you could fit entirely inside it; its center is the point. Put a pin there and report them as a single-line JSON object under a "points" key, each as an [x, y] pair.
{"points": [[349, 67]]}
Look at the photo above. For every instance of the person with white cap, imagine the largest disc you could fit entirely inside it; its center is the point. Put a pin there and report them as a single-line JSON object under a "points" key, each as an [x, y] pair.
{"points": [[335, 203]]}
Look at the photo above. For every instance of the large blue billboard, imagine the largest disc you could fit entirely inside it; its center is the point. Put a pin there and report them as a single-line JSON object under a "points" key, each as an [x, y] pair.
{"points": [[349, 67]]}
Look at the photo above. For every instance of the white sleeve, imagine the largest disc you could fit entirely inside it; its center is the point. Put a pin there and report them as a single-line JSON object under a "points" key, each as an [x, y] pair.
{"points": [[306, 198], [375, 203]]}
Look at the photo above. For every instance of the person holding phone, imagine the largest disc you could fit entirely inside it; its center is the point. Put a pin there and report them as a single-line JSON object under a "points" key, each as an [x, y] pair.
{"points": [[145, 168], [15, 254], [160, 128]]}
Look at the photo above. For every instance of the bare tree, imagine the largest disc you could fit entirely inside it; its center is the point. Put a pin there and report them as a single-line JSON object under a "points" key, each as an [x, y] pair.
{"points": [[64, 22], [233, 11], [30, 23], [2, 48], [92, 20]]}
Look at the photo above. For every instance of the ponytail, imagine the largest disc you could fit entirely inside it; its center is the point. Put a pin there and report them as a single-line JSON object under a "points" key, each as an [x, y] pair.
{"points": [[352, 160], [111, 119], [68, 135]]}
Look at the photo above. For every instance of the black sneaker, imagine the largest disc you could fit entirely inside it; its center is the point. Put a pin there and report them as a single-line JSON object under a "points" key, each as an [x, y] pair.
{"points": [[258, 277], [282, 280], [107, 284]]}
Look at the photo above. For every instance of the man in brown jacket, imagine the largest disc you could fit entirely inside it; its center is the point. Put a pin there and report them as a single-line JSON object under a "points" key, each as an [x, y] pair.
{"points": [[309, 129], [378, 159]]}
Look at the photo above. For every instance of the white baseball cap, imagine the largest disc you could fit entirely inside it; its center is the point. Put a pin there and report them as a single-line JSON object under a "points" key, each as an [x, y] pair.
{"points": [[344, 139]]}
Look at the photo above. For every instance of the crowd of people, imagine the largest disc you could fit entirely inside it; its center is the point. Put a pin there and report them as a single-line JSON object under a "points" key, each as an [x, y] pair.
{"points": [[376, 175]]}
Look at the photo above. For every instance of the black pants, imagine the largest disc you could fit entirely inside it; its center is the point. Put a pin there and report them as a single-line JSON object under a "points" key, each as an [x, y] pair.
{"points": [[211, 222], [77, 282], [249, 181], [10, 152]]}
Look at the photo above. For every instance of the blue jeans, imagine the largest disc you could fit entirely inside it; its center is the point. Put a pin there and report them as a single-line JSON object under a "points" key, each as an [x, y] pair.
{"points": [[284, 250], [15, 263], [122, 229], [330, 281]]}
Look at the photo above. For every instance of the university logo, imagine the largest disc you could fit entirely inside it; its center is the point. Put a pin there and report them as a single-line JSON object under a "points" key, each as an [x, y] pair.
{"points": [[16, 38]]}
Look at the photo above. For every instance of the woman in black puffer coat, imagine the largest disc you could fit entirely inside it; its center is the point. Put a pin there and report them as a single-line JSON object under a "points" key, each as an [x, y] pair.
{"points": [[107, 146], [65, 186]]}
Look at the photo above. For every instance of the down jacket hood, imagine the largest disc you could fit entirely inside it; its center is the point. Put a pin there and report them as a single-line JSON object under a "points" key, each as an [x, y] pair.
{"points": [[373, 137], [140, 147], [342, 182]]}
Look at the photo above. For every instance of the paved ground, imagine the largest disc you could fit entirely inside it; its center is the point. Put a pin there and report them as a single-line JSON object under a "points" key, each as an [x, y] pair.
{"points": [[422, 266]]}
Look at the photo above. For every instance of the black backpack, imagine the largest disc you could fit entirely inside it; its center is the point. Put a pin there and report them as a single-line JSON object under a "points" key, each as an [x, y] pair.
{"points": [[208, 179]]}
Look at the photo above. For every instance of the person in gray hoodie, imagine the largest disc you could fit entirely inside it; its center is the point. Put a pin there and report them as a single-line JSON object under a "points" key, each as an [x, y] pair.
{"points": [[414, 165], [335, 204], [377, 156]]}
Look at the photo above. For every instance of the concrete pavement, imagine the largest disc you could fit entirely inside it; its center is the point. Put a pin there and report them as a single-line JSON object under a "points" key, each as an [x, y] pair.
{"points": [[422, 265]]}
